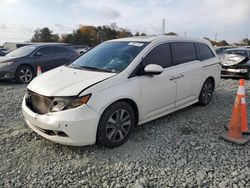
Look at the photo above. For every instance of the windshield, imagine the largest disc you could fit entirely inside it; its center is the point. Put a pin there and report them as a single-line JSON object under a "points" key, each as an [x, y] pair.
{"points": [[22, 51], [109, 56]]}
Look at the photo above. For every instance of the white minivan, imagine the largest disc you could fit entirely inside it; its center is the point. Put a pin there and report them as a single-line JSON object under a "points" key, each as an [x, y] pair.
{"points": [[121, 83]]}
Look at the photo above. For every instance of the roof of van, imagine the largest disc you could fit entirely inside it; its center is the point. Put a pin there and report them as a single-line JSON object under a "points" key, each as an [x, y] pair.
{"points": [[150, 38]]}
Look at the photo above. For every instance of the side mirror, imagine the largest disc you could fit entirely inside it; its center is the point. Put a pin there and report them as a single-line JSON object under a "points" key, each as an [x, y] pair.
{"points": [[153, 69], [38, 54]]}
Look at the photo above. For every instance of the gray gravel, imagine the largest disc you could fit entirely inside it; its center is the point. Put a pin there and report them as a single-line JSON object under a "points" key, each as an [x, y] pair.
{"points": [[182, 149]]}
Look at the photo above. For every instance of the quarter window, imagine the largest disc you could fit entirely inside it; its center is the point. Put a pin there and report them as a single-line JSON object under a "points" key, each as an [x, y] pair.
{"points": [[204, 52], [160, 55], [183, 52]]}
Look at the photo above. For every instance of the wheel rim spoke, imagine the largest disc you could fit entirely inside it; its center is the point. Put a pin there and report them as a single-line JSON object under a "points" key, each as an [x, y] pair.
{"points": [[121, 114], [123, 131], [126, 117], [113, 138], [111, 120], [120, 134], [111, 133], [126, 123]]}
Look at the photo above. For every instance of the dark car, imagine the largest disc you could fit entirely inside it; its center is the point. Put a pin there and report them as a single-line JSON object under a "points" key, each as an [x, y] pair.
{"points": [[3, 51], [235, 63], [21, 64]]}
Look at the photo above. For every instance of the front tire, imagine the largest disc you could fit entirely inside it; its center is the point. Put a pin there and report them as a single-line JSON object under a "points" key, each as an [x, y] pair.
{"points": [[206, 93], [115, 125], [24, 74]]}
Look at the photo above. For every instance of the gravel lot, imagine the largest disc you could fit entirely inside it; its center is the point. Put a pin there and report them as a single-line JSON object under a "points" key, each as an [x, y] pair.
{"points": [[179, 150]]}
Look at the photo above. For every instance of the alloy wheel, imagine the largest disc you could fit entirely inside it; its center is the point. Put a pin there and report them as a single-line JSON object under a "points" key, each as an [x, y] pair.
{"points": [[207, 92], [118, 125], [25, 75]]}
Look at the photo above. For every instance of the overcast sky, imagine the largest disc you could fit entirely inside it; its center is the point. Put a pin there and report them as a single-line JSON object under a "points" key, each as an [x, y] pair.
{"points": [[198, 18]]}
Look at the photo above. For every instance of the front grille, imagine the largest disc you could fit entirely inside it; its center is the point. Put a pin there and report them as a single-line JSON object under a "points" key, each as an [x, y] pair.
{"points": [[38, 103]]}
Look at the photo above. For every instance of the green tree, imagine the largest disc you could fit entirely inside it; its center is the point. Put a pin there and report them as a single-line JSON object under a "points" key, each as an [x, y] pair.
{"points": [[171, 33], [137, 34], [44, 35], [143, 34], [91, 35], [123, 33], [220, 43], [245, 41]]}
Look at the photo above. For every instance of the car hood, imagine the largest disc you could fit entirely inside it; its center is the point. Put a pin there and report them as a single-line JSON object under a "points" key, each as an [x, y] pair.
{"points": [[7, 59], [232, 59], [65, 81]]}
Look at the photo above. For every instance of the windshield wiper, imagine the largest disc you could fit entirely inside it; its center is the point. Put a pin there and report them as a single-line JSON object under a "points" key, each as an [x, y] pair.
{"points": [[91, 68]]}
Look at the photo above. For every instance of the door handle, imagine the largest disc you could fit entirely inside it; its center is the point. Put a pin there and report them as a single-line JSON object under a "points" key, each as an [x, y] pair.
{"points": [[173, 78], [180, 75], [176, 77]]}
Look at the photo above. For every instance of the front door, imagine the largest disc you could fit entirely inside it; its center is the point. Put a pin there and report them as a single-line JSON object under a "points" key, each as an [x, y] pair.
{"points": [[158, 92]]}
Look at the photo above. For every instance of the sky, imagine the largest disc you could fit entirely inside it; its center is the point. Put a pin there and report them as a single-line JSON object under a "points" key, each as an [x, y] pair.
{"points": [[230, 19]]}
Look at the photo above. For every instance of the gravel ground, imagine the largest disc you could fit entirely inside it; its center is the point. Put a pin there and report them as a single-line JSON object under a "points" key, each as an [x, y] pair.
{"points": [[182, 149]]}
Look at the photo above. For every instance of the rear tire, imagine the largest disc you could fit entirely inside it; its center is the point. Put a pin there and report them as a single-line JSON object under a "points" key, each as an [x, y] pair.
{"points": [[206, 93], [115, 125], [24, 74]]}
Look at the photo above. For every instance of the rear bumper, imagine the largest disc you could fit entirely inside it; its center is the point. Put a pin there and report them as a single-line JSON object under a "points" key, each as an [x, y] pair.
{"points": [[75, 127]]}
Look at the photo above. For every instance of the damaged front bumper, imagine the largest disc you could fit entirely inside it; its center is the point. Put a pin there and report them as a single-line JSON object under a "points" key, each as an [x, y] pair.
{"points": [[235, 72]]}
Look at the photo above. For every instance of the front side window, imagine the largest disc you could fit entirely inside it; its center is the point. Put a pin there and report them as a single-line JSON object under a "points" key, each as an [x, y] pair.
{"points": [[204, 52], [183, 52], [109, 56], [160, 55]]}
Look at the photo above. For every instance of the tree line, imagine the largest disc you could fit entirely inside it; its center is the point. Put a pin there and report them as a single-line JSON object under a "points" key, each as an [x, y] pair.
{"points": [[92, 36], [84, 35]]}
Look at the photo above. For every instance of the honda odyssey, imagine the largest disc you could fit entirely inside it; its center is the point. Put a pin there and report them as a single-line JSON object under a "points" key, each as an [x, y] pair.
{"points": [[122, 83]]}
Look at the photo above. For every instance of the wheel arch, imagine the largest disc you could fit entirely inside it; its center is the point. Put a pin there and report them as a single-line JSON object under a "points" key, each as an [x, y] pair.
{"points": [[213, 80], [26, 64], [132, 103]]}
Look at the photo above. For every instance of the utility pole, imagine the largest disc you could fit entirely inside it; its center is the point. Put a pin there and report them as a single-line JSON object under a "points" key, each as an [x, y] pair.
{"points": [[185, 34], [215, 38], [163, 25]]}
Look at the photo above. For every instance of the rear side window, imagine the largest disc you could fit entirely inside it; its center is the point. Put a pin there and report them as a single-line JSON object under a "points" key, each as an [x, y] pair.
{"points": [[59, 50], [160, 55], [183, 52], [45, 51], [204, 52]]}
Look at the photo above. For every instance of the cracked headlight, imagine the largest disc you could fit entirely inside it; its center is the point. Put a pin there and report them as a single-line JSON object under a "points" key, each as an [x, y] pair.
{"points": [[65, 103]]}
